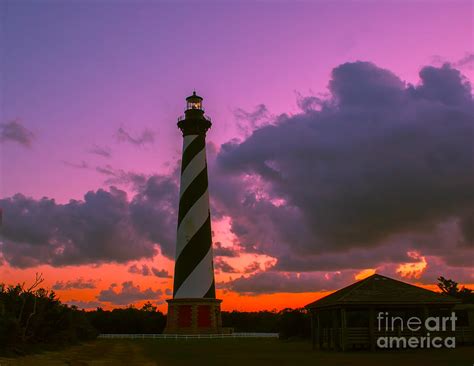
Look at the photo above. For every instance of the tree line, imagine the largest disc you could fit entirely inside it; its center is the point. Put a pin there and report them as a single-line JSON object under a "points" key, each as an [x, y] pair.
{"points": [[148, 320], [33, 316]]}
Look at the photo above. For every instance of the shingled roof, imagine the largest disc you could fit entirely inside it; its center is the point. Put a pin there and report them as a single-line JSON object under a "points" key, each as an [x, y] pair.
{"points": [[381, 290]]}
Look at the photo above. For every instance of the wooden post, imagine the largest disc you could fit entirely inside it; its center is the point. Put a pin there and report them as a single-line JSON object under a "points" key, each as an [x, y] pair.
{"points": [[372, 328], [335, 333], [320, 333], [343, 329], [317, 340], [313, 329]]}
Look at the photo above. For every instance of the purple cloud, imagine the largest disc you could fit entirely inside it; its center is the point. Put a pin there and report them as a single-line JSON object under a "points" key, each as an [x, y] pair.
{"points": [[148, 271], [221, 251], [274, 282], [99, 229], [147, 136], [129, 294], [16, 132], [380, 167], [103, 151], [222, 266], [87, 305], [78, 284]]}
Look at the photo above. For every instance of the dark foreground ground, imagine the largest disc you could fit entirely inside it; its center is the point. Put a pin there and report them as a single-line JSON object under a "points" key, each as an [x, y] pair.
{"points": [[241, 352]]}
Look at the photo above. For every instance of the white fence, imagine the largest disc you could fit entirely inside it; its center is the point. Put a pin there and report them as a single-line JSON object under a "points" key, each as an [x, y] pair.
{"points": [[188, 336]]}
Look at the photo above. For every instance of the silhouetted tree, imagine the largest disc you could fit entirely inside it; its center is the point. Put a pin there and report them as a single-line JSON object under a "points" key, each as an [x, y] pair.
{"points": [[289, 323], [36, 316], [450, 287], [294, 323], [261, 321]]}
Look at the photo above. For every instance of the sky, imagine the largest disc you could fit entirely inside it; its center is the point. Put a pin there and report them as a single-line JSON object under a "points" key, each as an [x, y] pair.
{"points": [[341, 144]]}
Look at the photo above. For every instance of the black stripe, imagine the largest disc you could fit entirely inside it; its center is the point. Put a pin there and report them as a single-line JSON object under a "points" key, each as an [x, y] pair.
{"points": [[194, 191], [192, 150], [192, 254], [211, 293]]}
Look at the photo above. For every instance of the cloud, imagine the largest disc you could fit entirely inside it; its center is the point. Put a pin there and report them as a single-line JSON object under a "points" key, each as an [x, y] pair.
{"points": [[81, 165], [149, 271], [221, 251], [467, 61], [14, 131], [222, 266], [274, 282], [412, 267], [85, 304], [128, 294], [154, 213], [103, 151], [437, 267], [161, 273], [98, 229], [252, 267], [106, 226], [249, 121], [78, 284], [120, 176], [147, 136], [380, 166], [308, 103]]}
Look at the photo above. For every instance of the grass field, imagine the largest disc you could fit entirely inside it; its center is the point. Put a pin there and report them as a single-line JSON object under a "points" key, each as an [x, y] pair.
{"points": [[241, 352]]}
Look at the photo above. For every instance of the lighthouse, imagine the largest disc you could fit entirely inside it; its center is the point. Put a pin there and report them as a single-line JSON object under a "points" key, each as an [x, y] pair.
{"points": [[194, 307]]}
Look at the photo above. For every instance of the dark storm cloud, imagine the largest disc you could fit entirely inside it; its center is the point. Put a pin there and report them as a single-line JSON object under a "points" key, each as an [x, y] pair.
{"points": [[154, 212], [147, 136], [446, 240], [275, 282], [98, 229], [467, 225], [128, 294], [78, 284], [104, 227], [16, 132], [436, 267], [377, 161]]}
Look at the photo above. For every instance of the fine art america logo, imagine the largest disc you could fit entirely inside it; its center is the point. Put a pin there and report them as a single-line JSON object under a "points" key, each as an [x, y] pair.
{"points": [[431, 332]]}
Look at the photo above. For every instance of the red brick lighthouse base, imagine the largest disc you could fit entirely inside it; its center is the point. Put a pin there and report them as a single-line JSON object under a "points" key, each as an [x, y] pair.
{"points": [[194, 316]]}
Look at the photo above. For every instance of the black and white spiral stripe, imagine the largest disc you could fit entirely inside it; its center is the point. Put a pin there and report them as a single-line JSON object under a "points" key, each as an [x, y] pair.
{"points": [[194, 272]]}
